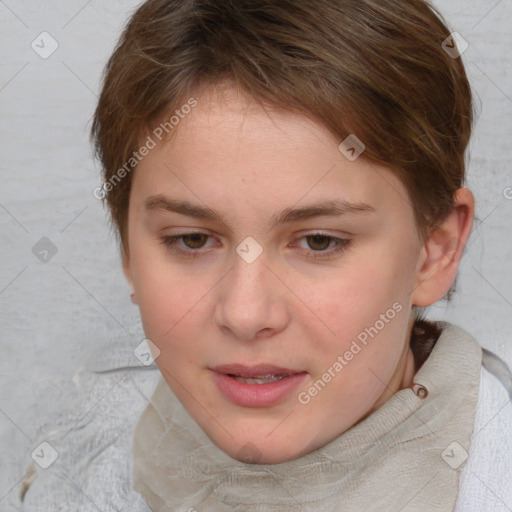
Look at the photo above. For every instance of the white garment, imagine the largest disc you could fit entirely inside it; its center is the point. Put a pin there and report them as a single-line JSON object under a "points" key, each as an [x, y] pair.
{"points": [[93, 439], [486, 480]]}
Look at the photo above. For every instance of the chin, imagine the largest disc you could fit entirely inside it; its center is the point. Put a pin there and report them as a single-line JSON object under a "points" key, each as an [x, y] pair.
{"points": [[251, 454], [261, 451]]}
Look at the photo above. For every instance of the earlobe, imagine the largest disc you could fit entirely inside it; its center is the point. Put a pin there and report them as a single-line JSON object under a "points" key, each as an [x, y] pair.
{"points": [[442, 252], [127, 270]]}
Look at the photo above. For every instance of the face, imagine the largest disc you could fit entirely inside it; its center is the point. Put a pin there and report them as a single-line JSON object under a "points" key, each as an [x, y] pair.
{"points": [[274, 276]]}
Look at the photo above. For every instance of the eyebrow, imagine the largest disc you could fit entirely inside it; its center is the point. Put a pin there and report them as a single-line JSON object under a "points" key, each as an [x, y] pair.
{"points": [[335, 207]]}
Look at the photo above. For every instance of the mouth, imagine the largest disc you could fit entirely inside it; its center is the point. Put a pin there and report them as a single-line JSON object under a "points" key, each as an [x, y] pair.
{"points": [[256, 386], [258, 379]]}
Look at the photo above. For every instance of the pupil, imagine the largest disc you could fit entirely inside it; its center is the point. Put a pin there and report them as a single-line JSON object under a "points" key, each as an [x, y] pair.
{"points": [[318, 239], [196, 237]]}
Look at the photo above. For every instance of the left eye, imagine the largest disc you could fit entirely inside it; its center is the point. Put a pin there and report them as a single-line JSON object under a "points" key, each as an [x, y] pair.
{"points": [[318, 243]]}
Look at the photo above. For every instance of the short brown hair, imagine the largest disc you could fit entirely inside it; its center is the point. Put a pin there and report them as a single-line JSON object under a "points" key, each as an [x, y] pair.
{"points": [[373, 68]]}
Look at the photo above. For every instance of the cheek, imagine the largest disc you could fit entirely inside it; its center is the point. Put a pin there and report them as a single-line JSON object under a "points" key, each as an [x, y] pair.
{"points": [[346, 296], [353, 299], [169, 309], [164, 295]]}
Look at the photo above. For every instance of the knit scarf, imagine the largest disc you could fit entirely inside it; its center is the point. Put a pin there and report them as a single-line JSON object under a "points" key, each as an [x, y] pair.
{"points": [[406, 456]]}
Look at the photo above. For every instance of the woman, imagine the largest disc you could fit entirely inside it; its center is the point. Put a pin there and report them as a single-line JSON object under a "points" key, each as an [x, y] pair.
{"points": [[287, 183]]}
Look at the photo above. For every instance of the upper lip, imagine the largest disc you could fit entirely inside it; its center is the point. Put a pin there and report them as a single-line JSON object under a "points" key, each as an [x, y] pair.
{"points": [[253, 371]]}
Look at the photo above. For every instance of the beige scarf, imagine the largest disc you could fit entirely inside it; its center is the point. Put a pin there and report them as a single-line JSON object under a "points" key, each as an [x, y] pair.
{"points": [[406, 456]]}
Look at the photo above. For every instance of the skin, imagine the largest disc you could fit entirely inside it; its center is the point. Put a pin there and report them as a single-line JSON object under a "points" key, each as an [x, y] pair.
{"points": [[285, 308]]}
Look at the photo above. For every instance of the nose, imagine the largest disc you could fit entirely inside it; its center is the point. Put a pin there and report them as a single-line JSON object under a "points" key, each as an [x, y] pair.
{"points": [[252, 302]]}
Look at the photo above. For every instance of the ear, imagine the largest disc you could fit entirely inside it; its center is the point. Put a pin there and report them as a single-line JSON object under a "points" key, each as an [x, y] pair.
{"points": [[443, 250], [127, 270]]}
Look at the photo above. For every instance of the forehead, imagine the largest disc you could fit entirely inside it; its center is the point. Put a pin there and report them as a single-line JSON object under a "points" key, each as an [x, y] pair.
{"points": [[231, 149]]}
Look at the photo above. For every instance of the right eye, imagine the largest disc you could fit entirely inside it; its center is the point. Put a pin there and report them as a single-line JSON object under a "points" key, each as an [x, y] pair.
{"points": [[193, 242]]}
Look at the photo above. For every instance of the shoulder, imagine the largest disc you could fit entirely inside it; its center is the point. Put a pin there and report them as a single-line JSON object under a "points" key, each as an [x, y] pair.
{"points": [[486, 476], [81, 458]]}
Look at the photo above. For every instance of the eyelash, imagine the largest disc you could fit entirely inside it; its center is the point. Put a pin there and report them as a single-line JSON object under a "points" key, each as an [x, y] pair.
{"points": [[170, 243]]}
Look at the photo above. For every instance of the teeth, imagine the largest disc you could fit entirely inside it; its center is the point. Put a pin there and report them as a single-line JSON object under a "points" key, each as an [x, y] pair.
{"points": [[259, 379]]}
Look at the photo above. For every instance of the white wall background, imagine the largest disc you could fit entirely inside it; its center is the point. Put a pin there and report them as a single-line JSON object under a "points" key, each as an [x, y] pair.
{"points": [[53, 314]]}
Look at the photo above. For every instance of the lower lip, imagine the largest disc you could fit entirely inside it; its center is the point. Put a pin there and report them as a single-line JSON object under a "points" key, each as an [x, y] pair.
{"points": [[257, 395]]}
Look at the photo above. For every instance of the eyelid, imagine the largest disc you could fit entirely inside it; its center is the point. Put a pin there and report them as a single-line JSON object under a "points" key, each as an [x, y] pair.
{"points": [[341, 243], [298, 235], [323, 232], [183, 234]]}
